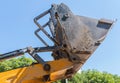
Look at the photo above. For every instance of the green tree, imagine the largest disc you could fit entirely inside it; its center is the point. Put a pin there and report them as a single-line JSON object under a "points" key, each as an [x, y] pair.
{"points": [[15, 63], [93, 76]]}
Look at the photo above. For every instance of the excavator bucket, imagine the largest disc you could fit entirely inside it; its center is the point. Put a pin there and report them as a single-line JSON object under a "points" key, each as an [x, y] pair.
{"points": [[84, 35], [79, 35]]}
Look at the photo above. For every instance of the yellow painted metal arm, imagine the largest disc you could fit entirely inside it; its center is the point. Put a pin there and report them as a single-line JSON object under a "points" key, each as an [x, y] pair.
{"points": [[36, 74]]}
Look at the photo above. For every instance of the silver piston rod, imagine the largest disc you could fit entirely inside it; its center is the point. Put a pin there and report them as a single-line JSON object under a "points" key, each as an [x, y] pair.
{"points": [[29, 50]]}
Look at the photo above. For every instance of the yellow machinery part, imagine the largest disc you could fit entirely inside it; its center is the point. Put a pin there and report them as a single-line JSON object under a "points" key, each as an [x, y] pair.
{"points": [[35, 73]]}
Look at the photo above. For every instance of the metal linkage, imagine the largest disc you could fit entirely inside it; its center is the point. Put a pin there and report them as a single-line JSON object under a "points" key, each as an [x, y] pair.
{"points": [[41, 28], [15, 53], [36, 33], [31, 51], [34, 54]]}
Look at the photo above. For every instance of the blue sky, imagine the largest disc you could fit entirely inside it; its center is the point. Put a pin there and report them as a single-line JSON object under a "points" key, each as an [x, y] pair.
{"points": [[17, 27]]}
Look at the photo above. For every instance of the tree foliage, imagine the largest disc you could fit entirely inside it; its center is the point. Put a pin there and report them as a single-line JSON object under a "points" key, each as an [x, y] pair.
{"points": [[15, 63], [93, 76]]}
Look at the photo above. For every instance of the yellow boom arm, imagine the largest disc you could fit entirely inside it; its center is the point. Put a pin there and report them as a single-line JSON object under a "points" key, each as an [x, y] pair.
{"points": [[36, 74]]}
